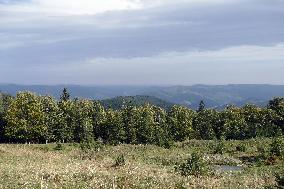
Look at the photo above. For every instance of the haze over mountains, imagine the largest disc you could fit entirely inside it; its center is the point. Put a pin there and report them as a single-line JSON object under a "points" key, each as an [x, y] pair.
{"points": [[215, 96]]}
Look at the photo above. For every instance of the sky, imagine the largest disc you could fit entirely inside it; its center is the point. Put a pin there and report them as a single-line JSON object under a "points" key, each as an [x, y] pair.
{"points": [[142, 42]]}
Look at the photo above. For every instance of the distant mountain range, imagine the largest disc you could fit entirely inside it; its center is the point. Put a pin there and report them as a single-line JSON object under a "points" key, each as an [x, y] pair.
{"points": [[215, 96]]}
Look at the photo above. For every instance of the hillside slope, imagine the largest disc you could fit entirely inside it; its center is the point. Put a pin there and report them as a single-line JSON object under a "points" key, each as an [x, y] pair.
{"points": [[216, 96], [118, 102]]}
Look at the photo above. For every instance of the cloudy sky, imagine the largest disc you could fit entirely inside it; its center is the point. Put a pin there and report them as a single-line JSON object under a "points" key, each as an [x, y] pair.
{"points": [[141, 42]]}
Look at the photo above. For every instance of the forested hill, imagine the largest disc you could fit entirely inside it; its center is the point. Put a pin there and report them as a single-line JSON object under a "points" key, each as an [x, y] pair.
{"points": [[214, 95], [118, 102]]}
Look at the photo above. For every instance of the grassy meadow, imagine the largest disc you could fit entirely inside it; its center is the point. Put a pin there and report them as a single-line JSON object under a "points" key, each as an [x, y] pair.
{"points": [[137, 166]]}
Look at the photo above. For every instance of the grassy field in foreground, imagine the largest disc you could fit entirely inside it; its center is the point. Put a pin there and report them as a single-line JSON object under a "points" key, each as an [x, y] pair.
{"points": [[42, 166]]}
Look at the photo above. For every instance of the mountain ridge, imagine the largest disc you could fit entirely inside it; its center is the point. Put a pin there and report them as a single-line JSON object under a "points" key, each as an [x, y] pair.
{"points": [[215, 96]]}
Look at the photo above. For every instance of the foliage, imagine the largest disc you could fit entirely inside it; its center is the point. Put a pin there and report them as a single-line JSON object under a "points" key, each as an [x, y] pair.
{"points": [[53, 119], [221, 147], [180, 121], [277, 147], [194, 165], [130, 117], [32, 118], [81, 120], [90, 146], [5, 101], [26, 119], [113, 128], [204, 124], [148, 125], [65, 96], [59, 146], [279, 178], [241, 148], [118, 102], [120, 160], [201, 106], [65, 129]]}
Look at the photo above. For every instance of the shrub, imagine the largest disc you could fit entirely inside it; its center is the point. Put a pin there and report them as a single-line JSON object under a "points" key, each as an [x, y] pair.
{"points": [[277, 147], [167, 144], [269, 187], [220, 148], [90, 145], [195, 165], [272, 160], [180, 185], [241, 148], [120, 160], [279, 181], [89, 148], [44, 148], [59, 147], [263, 152], [266, 156]]}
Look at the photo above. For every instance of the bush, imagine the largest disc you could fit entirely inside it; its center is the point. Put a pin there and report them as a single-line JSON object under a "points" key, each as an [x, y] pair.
{"points": [[195, 165], [90, 145], [167, 144], [241, 148], [89, 148], [277, 147], [120, 160], [269, 187], [279, 181], [272, 160], [59, 147], [266, 156], [263, 152], [220, 148]]}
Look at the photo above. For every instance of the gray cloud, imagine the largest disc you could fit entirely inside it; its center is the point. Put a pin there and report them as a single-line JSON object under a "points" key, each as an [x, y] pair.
{"points": [[31, 40]]}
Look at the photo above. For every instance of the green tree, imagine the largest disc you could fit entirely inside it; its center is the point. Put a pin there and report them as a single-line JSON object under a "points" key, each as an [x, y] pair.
{"points": [[114, 132], [65, 96], [277, 105], [5, 101], [269, 120], [53, 120], [99, 118], [26, 119], [180, 121], [204, 124], [82, 120], [253, 117], [234, 123], [130, 117], [66, 107], [150, 125], [201, 106], [145, 125]]}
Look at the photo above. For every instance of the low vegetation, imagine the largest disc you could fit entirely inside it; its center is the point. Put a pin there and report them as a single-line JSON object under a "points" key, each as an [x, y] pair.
{"points": [[139, 166]]}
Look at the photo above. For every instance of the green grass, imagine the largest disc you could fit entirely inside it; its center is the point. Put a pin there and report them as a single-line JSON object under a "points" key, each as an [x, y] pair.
{"points": [[145, 166]]}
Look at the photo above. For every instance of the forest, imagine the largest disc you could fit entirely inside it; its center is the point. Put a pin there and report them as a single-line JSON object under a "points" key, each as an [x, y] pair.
{"points": [[31, 118]]}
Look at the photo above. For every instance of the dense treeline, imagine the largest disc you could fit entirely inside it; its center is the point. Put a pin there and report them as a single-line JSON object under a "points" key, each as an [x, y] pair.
{"points": [[118, 102], [32, 118]]}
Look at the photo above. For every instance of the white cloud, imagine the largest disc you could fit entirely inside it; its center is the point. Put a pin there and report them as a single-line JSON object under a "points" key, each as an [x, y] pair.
{"points": [[73, 7], [239, 54], [244, 64], [81, 7], [49, 41]]}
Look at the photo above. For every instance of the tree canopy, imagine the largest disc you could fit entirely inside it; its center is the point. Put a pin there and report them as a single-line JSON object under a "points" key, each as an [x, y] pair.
{"points": [[28, 117]]}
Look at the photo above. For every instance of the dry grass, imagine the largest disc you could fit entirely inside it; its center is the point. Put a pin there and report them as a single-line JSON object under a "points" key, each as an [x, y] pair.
{"points": [[39, 166]]}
